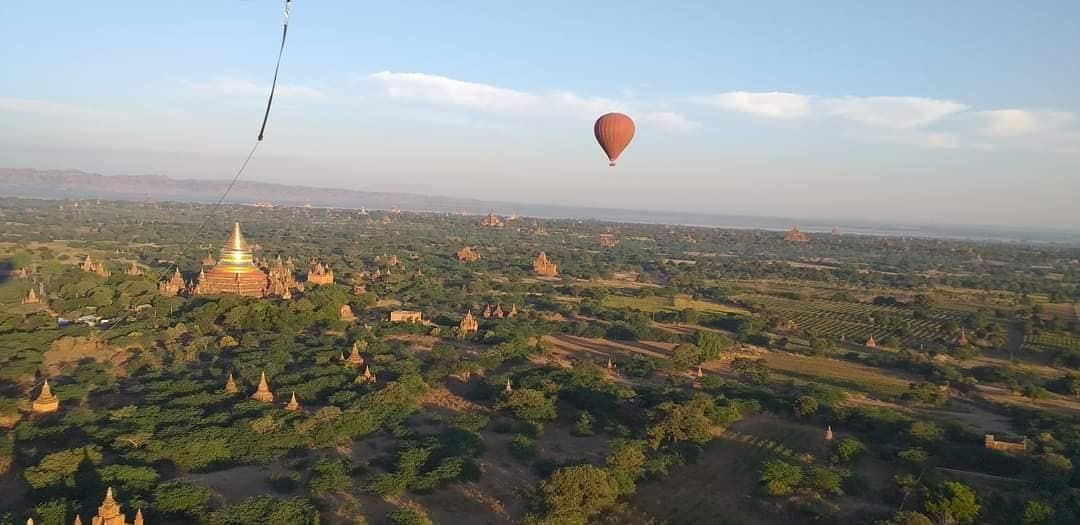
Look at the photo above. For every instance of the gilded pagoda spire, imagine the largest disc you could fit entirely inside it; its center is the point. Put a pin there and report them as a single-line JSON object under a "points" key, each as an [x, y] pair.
{"points": [[262, 393], [509, 388], [230, 385], [293, 405], [46, 402], [138, 517]]}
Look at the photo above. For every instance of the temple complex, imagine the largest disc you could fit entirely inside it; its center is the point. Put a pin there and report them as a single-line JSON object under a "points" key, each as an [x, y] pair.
{"points": [[468, 324], [236, 272], [1004, 446], [543, 267], [406, 316], [320, 274], [110, 513], [263, 392], [46, 402], [293, 405], [794, 235], [230, 385], [467, 254], [280, 280], [491, 221], [870, 343], [88, 265], [172, 287], [134, 270], [608, 240], [347, 314]]}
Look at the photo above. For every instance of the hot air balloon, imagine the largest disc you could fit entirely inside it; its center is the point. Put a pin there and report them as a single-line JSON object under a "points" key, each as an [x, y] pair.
{"points": [[614, 131]]}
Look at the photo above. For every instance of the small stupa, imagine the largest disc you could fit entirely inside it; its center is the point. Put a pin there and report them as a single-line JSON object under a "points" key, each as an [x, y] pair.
{"points": [[293, 405], [110, 513], [509, 388], [513, 311], [368, 376], [263, 392], [870, 343], [347, 314], [699, 372], [498, 313], [230, 385], [46, 402], [962, 340], [828, 433], [610, 364], [31, 298]]}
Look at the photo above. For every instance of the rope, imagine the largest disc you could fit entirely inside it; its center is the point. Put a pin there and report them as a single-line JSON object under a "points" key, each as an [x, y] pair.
{"points": [[243, 166]]}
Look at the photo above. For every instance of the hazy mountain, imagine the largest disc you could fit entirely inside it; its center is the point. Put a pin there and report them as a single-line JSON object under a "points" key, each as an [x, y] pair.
{"points": [[73, 184]]}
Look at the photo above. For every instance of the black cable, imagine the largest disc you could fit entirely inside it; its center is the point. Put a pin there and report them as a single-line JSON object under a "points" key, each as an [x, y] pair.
{"points": [[273, 85]]}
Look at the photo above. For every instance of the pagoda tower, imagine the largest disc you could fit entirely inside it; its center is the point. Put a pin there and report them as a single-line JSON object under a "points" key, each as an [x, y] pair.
{"points": [[355, 359], [172, 287], [962, 340], [236, 272], [509, 388], [46, 402], [513, 311], [870, 343], [263, 392], [31, 298], [828, 433], [796, 235], [134, 270], [467, 254], [543, 267], [293, 405], [498, 313], [110, 513], [368, 376], [487, 311], [230, 385], [468, 324]]}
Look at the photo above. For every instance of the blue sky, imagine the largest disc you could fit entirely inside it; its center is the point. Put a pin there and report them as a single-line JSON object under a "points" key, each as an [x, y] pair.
{"points": [[955, 112]]}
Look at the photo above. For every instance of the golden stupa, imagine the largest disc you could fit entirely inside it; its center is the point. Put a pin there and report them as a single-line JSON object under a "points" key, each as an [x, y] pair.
{"points": [[46, 401], [262, 393], [235, 272]]}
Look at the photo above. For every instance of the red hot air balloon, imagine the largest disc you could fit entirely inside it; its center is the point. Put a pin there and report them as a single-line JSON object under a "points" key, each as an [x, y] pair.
{"points": [[614, 131]]}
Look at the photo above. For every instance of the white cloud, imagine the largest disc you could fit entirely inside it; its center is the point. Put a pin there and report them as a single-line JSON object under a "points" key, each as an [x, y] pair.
{"points": [[892, 112], [53, 109], [668, 121], [772, 104], [445, 91], [1008, 123], [231, 87]]}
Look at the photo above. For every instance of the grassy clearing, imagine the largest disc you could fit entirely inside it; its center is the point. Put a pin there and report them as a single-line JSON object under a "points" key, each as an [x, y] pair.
{"points": [[843, 374], [678, 303]]}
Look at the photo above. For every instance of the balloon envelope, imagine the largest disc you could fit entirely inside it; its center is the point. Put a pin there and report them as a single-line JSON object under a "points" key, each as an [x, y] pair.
{"points": [[613, 131]]}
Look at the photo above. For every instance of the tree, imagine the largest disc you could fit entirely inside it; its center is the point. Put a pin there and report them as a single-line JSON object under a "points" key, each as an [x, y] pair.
{"points": [[847, 450], [60, 467], [712, 344], [805, 405], [907, 517], [626, 463], [529, 405], [574, 494], [583, 427], [1037, 512], [780, 478], [925, 432], [329, 475], [686, 355], [751, 370], [953, 503], [690, 421], [179, 497]]}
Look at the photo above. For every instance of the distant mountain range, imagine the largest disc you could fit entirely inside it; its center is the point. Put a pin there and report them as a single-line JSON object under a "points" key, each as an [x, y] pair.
{"points": [[73, 184]]}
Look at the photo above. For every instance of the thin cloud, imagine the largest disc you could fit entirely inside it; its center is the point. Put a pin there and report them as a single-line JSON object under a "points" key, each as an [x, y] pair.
{"points": [[232, 87], [772, 104], [52, 109], [444, 91], [1008, 123], [892, 112]]}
